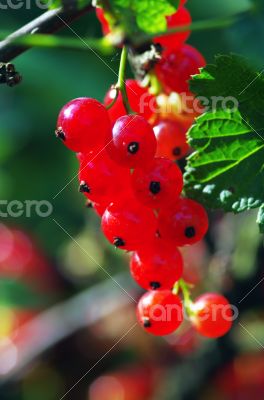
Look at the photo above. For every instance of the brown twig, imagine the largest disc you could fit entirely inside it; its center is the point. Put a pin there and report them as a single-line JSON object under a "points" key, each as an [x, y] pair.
{"points": [[49, 22]]}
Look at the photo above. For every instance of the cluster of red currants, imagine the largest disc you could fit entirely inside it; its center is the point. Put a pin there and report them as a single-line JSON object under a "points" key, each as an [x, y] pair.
{"points": [[128, 172]]}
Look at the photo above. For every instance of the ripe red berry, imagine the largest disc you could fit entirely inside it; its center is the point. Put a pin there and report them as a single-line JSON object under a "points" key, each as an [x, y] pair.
{"points": [[101, 179], [140, 100], [83, 124], [133, 141], [104, 23], [184, 223], [171, 140], [160, 312], [129, 225], [158, 184], [175, 68], [100, 208], [157, 266], [181, 18], [212, 315]]}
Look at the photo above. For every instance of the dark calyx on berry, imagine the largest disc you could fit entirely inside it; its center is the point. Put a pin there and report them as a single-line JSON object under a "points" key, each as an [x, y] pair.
{"points": [[146, 322], [118, 242], [155, 285], [60, 134], [190, 232], [84, 188], [133, 147], [176, 151], [154, 187]]}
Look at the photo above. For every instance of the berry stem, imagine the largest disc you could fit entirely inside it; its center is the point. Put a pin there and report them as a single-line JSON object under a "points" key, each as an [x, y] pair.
{"points": [[121, 85], [154, 84], [114, 99], [184, 287], [204, 25]]}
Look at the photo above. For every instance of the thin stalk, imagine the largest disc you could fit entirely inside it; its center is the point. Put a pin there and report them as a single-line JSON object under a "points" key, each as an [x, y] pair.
{"points": [[121, 84], [207, 24], [114, 99], [49, 22], [101, 45], [184, 287]]}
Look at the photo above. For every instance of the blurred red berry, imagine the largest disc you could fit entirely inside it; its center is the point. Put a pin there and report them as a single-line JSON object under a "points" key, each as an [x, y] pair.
{"points": [[176, 67], [181, 18], [212, 315]]}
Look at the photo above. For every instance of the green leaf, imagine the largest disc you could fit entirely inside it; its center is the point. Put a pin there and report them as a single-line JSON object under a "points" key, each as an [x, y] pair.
{"points": [[144, 15], [232, 77], [226, 169], [151, 14], [51, 4]]}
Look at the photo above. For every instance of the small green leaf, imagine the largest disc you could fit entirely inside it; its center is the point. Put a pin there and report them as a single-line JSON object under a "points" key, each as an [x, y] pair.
{"points": [[51, 4], [260, 218], [151, 14], [144, 15]]}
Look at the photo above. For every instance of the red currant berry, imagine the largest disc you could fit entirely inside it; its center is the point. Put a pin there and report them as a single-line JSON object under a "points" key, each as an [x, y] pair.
{"points": [[104, 23], [212, 315], [171, 140], [160, 312], [101, 179], [175, 68], [80, 157], [83, 124], [133, 141], [157, 266], [186, 222], [129, 225], [140, 100], [158, 184], [181, 18], [100, 208]]}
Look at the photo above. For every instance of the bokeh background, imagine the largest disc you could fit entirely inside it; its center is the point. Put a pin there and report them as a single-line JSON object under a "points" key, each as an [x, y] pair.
{"points": [[55, 273]]}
